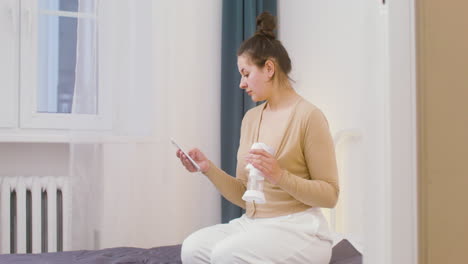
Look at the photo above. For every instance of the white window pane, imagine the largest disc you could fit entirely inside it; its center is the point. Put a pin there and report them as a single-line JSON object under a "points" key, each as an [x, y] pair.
{"points": [[59, 77]]}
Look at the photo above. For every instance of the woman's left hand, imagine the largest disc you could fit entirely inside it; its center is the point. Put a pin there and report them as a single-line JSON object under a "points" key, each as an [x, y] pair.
{"points": [[266, 163]]}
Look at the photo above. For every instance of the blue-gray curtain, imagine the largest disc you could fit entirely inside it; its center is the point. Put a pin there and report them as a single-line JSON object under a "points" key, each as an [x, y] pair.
{"points": [[239, 23]]}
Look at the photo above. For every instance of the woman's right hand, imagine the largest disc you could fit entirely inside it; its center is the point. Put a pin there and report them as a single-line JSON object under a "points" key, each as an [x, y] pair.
{"points": [[197, 156]]}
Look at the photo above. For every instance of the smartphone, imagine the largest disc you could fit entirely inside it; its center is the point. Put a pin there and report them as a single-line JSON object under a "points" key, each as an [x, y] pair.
{"points": [[185, 153]]}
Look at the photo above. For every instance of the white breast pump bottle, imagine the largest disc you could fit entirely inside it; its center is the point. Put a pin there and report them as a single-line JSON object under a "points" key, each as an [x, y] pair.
{"points": [[256, 179]]}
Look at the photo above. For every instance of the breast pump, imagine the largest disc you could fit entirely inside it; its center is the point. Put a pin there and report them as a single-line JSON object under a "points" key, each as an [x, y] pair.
{"points": [[256, 178]]}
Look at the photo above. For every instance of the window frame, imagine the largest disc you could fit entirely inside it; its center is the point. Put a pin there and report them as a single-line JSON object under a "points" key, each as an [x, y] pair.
{"points": [[9, 69], [29, 117]]}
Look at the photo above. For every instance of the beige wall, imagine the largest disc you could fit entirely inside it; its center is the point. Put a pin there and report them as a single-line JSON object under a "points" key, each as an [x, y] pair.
{"points": [[442, 51]]}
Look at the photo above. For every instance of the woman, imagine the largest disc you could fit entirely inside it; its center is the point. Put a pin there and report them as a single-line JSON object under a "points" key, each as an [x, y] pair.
{"points": [[300, 177]]}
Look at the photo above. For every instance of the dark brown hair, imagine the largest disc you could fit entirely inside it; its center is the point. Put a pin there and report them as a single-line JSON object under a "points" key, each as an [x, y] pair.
{"points": [[264, 45]]}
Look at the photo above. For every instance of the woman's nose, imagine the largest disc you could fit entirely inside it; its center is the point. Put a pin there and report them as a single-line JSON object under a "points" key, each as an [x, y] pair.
{"points": [[243, 84]]}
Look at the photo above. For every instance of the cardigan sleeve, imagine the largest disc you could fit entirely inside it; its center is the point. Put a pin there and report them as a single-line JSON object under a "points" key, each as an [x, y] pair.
{"points": [[231, 188], [322, 189]]}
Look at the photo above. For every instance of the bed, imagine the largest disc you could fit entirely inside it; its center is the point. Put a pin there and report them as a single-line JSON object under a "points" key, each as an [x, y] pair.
{"points": [[343, 253]]}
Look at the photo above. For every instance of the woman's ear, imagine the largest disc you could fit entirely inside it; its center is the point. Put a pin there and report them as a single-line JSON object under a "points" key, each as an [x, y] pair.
{"points": [[270, 68]]}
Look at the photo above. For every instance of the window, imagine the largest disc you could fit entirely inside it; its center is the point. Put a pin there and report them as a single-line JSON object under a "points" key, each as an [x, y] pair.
{"points": [[55, 72], [58, 46], [59, 66]]}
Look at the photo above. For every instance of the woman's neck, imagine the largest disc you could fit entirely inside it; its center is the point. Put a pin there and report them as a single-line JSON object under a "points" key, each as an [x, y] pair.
{"points": [[281, 98]]}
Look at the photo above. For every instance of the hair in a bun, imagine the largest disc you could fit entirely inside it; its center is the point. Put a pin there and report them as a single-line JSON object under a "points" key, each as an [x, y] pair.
{"points": [[266, 24], [263, 46]]}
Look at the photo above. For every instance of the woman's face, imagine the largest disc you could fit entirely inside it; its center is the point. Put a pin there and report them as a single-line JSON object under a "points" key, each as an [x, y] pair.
{"points": [[254, 81]]}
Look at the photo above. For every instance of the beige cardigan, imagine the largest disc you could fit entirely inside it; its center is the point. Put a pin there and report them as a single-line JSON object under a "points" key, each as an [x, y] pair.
{"points": [[306, 154]]}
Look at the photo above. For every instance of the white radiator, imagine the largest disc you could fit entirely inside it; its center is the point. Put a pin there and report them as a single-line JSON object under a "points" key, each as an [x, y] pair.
{"points": [[35, 214]]}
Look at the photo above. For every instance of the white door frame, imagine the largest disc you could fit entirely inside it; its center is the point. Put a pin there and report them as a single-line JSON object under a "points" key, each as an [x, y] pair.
{"points": [[403, 195]]}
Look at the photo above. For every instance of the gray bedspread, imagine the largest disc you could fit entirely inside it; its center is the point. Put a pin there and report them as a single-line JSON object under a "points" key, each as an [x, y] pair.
{"points": [[121, 255], [343, 253]]}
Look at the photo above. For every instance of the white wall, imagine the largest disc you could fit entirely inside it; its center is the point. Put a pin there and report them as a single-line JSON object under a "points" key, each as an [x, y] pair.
{"points": [[338, 52], [355, 60], [33, 159], [404, 180], [149, 199]]}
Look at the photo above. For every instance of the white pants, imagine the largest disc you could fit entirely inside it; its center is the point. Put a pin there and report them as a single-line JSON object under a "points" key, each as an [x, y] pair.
{"points": [[297, 238]]}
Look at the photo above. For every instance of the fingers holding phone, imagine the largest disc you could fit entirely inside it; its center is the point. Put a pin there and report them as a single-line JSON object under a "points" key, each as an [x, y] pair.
{"points": [[197, 156], [194, 160], [186, 162]]}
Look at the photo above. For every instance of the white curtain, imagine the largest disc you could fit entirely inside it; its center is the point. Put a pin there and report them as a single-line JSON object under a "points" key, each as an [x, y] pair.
{"points": [[85, 90], [117, 45], [85, 157], [86, 185]]}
